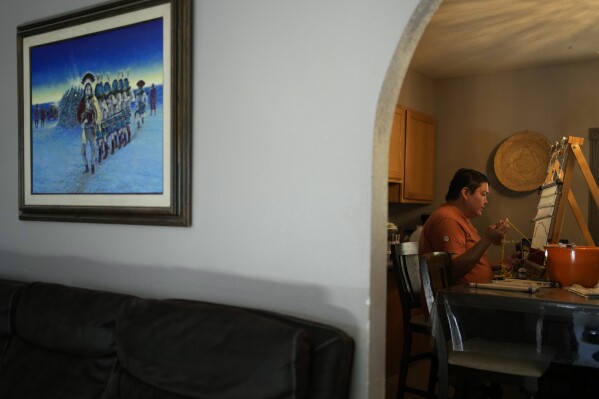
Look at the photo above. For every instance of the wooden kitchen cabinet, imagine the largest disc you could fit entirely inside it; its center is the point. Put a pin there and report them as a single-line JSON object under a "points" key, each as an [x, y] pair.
{"points": [[397, 146], [412, 157]]}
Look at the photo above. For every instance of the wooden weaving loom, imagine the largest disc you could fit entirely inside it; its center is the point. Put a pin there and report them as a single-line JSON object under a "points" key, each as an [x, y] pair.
{"points": [[557, 185]]}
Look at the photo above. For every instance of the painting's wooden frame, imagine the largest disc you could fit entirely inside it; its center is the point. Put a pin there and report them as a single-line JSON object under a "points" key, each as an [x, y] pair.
{"points": [[175, 209]]}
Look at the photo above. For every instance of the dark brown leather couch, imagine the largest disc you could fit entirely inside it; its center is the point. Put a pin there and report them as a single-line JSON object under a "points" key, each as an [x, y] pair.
{"points": [[61, 342]]}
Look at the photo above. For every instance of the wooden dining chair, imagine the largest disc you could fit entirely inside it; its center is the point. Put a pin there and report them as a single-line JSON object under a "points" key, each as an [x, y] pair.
{"points": [[406, 265], [477, 357]]}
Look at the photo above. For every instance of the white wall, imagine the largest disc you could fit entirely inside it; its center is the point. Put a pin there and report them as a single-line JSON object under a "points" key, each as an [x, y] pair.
{"points": [[285, 99], [418, 92]]}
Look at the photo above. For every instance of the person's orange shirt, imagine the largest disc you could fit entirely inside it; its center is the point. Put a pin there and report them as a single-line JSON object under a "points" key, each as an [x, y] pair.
{"points": [[449, 230]]}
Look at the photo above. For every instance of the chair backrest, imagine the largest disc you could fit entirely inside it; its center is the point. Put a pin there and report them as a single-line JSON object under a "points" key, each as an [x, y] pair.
{"points": [[406, 264], [436, 274], [435, 269]]}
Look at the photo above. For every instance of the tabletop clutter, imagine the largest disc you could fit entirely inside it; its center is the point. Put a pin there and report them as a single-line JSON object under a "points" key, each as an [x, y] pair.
{"points": [[575, 268], [393, 235], [396, 236]]}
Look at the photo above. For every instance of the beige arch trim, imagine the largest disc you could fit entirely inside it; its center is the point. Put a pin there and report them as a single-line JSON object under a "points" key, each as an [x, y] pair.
{"points": [[379, 212]]}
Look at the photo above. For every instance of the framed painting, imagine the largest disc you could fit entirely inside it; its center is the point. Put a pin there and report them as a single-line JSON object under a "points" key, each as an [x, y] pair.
{"points": [[105, 114]]}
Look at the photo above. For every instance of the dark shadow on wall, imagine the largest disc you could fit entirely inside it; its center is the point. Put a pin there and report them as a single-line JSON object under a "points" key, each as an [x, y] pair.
{"points": [[177, 282]]}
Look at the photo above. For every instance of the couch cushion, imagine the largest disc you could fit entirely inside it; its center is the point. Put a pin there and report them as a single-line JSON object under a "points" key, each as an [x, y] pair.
{"points": [[72, 320], [28, 371], [209, 351], [123, 385], [331, 355]]}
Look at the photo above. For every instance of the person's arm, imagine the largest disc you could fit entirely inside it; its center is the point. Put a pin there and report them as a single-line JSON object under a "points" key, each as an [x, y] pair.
{"points": [[463, 263]]}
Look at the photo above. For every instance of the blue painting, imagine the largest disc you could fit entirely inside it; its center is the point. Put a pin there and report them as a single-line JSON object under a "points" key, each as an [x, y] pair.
{"points": [[97, 112]]}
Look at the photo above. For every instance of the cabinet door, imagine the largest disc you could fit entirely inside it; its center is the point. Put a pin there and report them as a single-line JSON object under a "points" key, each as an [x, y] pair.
{"points": [[419, 185], [396, 146]]}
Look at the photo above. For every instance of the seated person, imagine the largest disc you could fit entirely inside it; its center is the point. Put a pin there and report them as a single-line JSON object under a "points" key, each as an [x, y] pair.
{"points": [[450, 230]]}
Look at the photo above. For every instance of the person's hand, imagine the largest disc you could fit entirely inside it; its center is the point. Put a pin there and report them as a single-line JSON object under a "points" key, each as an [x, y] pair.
{"points": [[496, 232]]}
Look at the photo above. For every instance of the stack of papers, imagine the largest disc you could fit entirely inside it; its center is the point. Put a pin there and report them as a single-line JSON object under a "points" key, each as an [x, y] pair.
{"points": [[585, 292]]}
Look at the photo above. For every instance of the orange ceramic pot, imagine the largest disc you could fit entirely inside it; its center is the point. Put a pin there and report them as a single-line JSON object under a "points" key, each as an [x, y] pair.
{"points": [[573, 265]]}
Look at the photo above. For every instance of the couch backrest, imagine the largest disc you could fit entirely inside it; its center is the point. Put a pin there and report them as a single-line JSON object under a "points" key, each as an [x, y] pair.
{"points": [[63, 345], [203, 350], [68, 319], [61, 342], [331, 354]]}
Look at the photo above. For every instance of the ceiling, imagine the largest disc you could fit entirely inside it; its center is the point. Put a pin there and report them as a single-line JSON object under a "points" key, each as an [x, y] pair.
{"points": [[469, 37]]}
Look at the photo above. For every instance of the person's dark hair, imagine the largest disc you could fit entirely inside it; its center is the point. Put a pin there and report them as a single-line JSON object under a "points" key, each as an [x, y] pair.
{"points": [[470, 178]]}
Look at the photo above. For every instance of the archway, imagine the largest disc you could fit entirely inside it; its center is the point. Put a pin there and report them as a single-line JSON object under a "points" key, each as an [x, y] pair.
{"points": [[394, 77]]}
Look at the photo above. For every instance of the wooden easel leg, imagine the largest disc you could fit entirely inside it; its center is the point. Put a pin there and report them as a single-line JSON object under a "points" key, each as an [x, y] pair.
{"points": [[586, 172], [580, 219]]}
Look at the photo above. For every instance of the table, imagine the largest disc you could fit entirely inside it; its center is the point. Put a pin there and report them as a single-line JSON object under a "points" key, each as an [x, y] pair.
{"points": [[563, 326]]}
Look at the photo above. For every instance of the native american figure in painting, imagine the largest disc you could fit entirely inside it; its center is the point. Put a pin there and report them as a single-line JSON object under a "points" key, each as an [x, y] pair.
{"points": [[141, 99], [89, 115]]}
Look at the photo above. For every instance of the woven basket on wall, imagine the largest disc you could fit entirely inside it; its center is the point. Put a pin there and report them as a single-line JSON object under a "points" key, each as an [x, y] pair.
{"points": [[521, 161]]}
